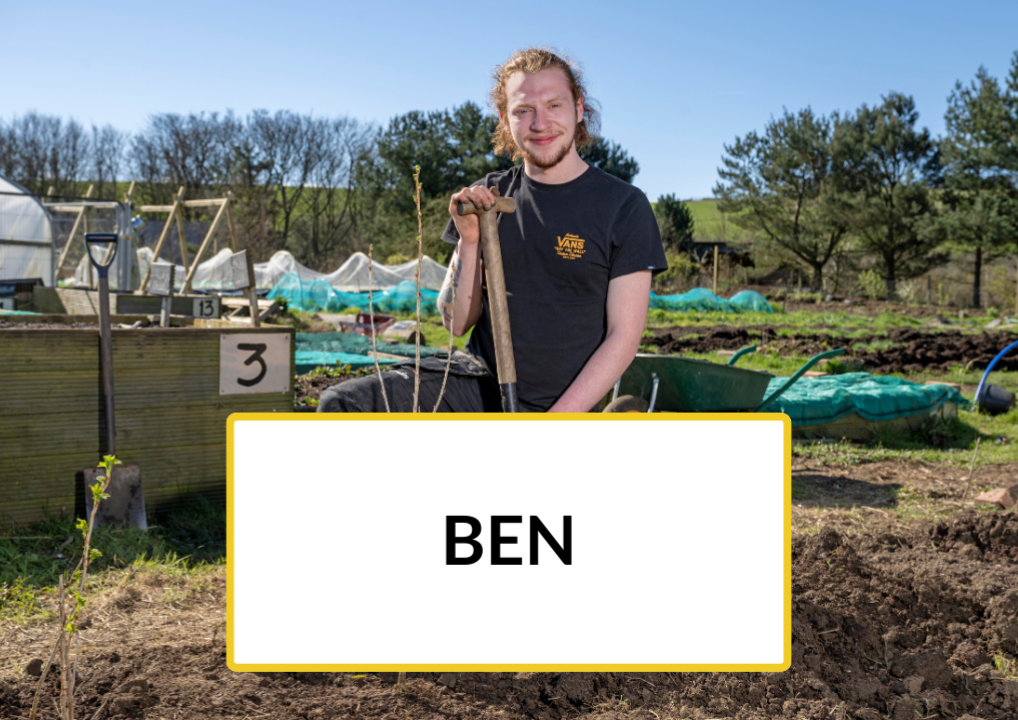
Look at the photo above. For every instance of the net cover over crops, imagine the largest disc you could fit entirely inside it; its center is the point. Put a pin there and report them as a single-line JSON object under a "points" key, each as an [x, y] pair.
{"points": [[319, 296]]}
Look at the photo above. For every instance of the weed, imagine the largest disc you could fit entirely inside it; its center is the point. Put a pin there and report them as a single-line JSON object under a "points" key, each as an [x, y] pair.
{"points": [[1008, 667], [801, 491]]}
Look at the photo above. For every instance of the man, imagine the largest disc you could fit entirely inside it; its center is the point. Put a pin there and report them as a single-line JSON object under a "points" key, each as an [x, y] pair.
{"points": [[578, 255]]}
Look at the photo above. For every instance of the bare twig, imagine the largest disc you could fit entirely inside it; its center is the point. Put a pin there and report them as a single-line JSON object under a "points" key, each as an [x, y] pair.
{"points": [[972, 467], [65, 706], [420, 257], [371, 314], [448, 360]]}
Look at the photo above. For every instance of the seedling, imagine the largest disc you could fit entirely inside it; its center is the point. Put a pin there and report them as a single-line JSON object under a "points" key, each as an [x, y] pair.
{"points": [[68, 627]]}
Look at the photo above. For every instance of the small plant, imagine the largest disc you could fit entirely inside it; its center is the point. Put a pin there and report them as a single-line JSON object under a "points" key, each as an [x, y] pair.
{"points": [[397, 259], [68, 627], [872, 285], [1006, 666], [911, 291]]}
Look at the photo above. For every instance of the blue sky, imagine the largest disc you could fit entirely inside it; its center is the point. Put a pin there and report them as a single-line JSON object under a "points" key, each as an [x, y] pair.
{"points": [[676, 80]]}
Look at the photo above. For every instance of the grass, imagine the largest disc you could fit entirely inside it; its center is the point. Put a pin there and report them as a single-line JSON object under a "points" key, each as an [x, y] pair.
{"points": [[183, 541], [1008, 667]]}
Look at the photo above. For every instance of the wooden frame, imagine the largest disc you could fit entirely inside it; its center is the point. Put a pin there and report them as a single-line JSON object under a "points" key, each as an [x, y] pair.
{"points": [[176, 212]]}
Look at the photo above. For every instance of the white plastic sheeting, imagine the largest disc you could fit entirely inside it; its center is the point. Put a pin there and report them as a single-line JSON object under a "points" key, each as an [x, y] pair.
{"points": [[26, 235], [352, 276]]}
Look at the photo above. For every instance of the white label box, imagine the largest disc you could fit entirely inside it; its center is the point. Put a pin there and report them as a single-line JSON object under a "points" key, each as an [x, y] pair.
{"points": [[252, 363], [643, 542]]}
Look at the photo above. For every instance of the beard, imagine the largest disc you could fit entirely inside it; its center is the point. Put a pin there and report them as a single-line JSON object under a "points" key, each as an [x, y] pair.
{"points": [[547, 162]]}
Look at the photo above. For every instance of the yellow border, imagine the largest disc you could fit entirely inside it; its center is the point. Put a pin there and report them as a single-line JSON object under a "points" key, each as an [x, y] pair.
{"points": [[497, 417]]}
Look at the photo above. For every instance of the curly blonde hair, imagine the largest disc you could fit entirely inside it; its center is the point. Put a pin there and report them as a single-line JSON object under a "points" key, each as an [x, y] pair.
{"points": [[534, 60]]}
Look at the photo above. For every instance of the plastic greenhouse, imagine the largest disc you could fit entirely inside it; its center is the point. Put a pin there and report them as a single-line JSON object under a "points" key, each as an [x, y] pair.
{"points": [[26, 235]]}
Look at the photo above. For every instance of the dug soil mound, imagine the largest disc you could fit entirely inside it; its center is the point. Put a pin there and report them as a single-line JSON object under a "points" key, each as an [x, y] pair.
{"points": [[913, 350], [883, 626]]}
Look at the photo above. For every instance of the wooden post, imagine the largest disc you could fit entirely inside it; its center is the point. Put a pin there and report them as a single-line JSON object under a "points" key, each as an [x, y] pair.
{"points": [[162, 284], [252, 293], [182, 237], [130, 191], [203, 248], [177, 199], [715, 269], [229, 223], [74, 229]]}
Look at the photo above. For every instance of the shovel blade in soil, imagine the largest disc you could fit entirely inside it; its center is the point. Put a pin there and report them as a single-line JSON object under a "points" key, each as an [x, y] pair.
{"points": [[126, 502]]}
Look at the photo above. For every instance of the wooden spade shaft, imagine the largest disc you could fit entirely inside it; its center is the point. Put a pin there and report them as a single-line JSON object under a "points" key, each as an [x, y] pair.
{"points": [[491, 254]]}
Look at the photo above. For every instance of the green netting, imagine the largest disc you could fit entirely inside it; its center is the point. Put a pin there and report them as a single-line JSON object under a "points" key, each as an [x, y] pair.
{"points": [[319, 296], [821, 400], [703, 300], [750, 301], [331, 349]]}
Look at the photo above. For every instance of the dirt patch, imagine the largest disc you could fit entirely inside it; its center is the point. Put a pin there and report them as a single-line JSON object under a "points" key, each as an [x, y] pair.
{"points": [[887, 622], [308, 387], [915, 349]]}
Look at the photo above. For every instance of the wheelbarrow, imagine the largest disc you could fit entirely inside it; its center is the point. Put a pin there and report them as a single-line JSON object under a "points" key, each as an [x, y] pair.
{"points": [[677, 384]]}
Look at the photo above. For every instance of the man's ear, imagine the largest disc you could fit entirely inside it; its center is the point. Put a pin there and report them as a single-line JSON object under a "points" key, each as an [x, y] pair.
{"points": [[579, 110]]}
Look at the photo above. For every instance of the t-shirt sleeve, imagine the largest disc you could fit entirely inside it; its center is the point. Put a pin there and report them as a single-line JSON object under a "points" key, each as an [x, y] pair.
{"points": [[636, 239]]}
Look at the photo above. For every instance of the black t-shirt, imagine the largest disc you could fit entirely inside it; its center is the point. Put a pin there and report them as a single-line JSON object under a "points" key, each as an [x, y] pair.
{"points": [[560, 249]]}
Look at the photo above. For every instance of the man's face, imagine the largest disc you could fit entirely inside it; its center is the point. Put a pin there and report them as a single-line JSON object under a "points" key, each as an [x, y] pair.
{"points": [[541, 115]]}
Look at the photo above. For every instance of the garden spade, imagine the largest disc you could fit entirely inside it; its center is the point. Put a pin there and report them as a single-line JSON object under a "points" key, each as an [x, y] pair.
{"points": [[491, 254], [126, 503]]}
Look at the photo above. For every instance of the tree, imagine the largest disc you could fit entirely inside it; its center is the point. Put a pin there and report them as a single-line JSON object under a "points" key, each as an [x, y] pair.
{"points": [[980, 158], [453, 149], [330, 200], [610, 157], [782, 185], [675, 220], [888, 167]]}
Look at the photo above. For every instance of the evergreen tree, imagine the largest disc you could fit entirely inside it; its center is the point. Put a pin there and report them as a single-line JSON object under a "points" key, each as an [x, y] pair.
{"points": [[782, 185], [980, 158], [610, 157], [888, 167], [675, 220]]}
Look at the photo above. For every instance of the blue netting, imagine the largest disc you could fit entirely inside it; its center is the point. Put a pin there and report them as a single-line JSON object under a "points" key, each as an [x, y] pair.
{"points": [[307, 360], [703, 300], [320, 296], [332, 349]]}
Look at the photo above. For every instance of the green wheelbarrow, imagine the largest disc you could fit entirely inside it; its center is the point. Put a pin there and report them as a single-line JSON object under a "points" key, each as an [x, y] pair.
{"points": [[669, 383]]}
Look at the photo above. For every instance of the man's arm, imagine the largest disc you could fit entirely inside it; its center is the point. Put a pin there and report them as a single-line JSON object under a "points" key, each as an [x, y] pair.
{"points": [[628, 297], [462, 288], [463, 279]]}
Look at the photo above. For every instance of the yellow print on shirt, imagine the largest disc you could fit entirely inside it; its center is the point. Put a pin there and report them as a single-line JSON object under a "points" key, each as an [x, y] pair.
{"points": [[570, 247]]}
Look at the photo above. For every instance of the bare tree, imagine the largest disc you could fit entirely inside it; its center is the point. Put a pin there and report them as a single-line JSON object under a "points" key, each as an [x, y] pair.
{"points": [[285, 143], [108, 145], [330, 197]]}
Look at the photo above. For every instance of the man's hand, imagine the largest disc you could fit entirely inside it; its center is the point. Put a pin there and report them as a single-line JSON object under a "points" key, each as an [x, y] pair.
{"points": [[468, 226]]}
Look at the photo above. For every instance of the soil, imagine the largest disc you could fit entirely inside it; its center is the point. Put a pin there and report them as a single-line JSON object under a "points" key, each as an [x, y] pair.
{"points": [[915, 350], [310, 386], [894, 616]]}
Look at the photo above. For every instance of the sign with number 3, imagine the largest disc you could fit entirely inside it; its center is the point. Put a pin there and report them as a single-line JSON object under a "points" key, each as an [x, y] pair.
{"points": [[254, 363]]}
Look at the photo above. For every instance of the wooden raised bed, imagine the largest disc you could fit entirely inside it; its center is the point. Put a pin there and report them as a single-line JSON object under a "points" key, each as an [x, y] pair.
{"points": [[72, 301], [170, 415]]}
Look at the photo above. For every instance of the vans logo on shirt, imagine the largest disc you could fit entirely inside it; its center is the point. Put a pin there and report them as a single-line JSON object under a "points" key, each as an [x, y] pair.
{"points": [[570, 247]]}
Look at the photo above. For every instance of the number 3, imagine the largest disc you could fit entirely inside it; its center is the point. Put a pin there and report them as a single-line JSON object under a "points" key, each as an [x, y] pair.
{"points": [[257, 349]]}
